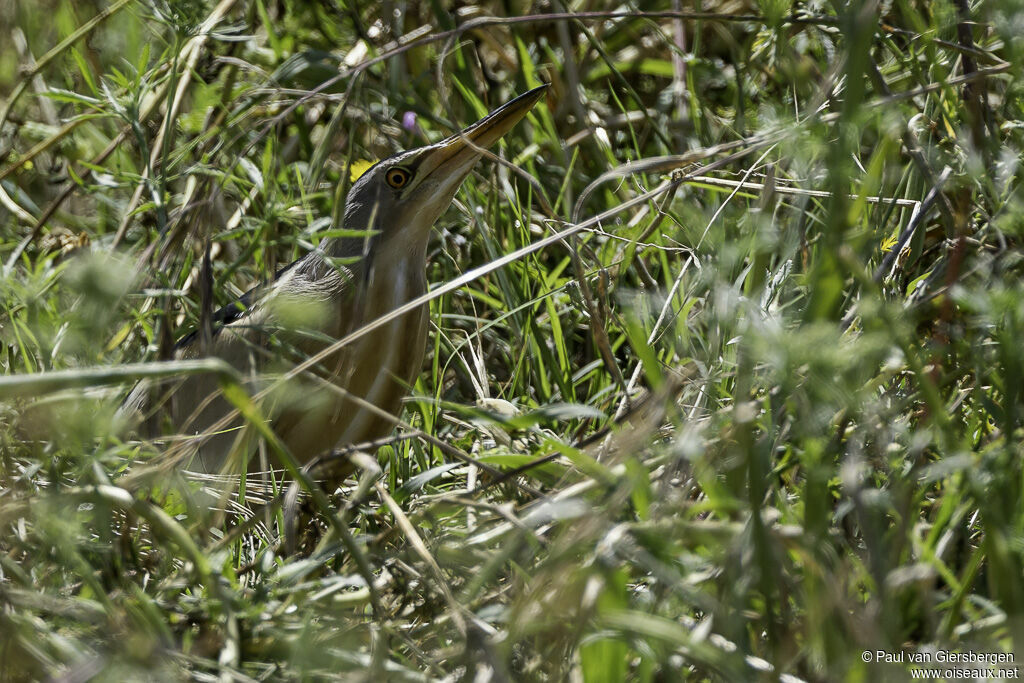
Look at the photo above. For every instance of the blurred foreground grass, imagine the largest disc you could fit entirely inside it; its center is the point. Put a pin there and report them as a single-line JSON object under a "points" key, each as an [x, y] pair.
{"points": [[777, 405]]}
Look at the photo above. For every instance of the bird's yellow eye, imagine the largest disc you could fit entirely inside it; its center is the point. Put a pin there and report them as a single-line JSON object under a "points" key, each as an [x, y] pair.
{"points": [[397, 177]]}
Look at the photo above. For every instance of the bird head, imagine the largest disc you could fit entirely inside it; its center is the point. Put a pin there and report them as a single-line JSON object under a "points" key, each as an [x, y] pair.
{"points": [[401, 197]]}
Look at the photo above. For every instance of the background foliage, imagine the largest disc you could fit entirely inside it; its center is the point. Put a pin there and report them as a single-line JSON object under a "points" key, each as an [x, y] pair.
{"points": [[778, 401]]}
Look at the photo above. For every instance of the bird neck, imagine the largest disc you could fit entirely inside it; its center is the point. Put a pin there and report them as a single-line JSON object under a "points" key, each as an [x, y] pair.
{"points": [[399, 261], [383, 263]]}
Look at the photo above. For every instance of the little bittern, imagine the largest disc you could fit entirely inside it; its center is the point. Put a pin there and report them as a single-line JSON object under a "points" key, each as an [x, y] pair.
{"points": [[324, 296]]}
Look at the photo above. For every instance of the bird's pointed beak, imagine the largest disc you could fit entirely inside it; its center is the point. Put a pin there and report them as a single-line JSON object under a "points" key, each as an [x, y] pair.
{"points": [[449, 161], [490, 128]]}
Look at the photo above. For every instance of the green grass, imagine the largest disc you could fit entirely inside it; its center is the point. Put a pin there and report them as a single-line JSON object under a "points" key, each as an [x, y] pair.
{"points": [[773, 406]]}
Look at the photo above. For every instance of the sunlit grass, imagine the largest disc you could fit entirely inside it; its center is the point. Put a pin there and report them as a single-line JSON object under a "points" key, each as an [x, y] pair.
{"points": [[758, 422]]}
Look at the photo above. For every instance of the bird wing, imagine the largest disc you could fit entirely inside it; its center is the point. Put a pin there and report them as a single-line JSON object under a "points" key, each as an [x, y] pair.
{"points": [[294, 315], [244, 316], [236, 310]]}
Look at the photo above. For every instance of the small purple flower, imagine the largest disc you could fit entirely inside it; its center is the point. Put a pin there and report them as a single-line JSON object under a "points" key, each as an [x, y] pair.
{"points": [[409, 120]]}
